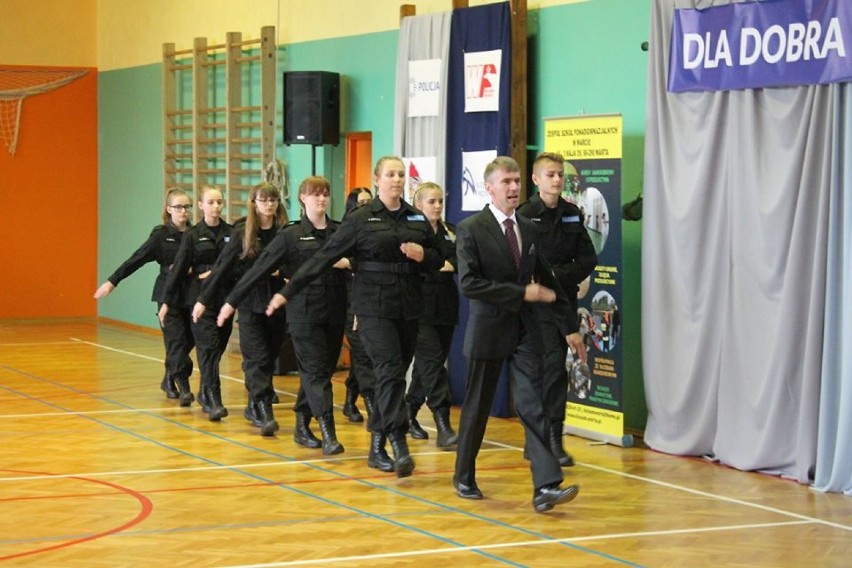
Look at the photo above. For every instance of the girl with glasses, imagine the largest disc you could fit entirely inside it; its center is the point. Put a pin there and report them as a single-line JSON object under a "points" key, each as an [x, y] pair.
{"points": [[315, 317], [161, 247], [260, 336], [199, 249]]}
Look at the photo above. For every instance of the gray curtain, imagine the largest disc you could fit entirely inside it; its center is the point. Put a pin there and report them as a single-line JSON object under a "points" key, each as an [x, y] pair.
{"points": [[834, 450], [735, 233], [422, 37]]}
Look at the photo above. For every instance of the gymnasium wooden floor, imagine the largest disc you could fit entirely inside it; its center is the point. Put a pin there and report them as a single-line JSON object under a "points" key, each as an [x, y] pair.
{"points": [[99, 469]]}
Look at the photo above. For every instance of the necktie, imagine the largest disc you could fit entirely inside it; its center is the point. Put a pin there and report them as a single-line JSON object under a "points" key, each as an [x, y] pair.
{"points": [[512, 241]]}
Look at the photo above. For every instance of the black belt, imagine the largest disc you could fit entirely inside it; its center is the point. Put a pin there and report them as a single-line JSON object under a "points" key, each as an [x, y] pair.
{"points": [[392, 267]]}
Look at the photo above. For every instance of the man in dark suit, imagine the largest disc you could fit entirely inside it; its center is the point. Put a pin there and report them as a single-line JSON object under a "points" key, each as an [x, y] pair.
{"points": [[502, 274]]}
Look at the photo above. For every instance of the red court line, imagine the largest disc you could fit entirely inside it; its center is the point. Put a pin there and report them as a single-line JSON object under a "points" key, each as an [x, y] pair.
{"points": [[333, 479], [146, 508]]}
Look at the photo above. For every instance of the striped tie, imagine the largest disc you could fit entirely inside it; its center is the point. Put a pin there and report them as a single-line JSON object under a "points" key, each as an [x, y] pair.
{"points": [[512, 240]]}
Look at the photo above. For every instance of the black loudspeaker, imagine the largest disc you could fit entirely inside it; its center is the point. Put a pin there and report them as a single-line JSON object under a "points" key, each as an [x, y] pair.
{"points": [[312, 108]]}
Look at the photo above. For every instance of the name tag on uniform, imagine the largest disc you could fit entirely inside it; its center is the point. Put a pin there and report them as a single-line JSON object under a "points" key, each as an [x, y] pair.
{"points": [[535, 219], [308, 238], [171, 240], [416, 218], [374, 219], [571, 219], [202, 239]]}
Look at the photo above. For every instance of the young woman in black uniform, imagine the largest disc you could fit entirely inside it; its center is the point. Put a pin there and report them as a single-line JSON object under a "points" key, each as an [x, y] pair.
{"points": [[429, 380], [161, 247], [361, 377], [201, 246], [391, 243], [315, 316], [260, 336]]}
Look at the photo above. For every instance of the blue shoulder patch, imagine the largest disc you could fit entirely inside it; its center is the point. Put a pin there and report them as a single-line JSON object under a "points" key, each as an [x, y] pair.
{"points": [[571, 219], [416, 218]]}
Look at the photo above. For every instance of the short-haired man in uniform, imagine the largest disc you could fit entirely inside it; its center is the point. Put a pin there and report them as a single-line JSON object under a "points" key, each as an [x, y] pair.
{"points": [[566, 246]]}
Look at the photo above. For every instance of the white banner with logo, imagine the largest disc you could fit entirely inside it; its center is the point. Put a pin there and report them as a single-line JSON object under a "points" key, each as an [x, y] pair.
{"points": [[482, 80], [424, 87], [474, 196]]}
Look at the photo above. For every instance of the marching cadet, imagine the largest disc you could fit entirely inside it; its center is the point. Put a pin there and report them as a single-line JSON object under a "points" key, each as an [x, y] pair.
{"points": [[260, 336], [161, 247], [391, 243], [430, 382], [199, 249], [315, 316], [566, 246]]}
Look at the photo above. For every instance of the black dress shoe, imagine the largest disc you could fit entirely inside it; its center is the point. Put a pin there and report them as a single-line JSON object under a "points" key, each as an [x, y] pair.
{"points": [[467, 491], [547, 497]]}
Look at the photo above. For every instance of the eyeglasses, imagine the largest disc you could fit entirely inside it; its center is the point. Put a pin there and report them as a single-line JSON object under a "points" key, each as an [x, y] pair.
{"points": [[182, 207], [266, 200]]}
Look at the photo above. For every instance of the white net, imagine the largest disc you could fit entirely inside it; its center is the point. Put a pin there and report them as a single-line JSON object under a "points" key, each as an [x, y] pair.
{"points": [[18, 83]]}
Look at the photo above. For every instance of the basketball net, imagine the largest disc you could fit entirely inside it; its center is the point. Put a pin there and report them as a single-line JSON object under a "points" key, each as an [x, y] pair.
{"points": [[18, 83]]}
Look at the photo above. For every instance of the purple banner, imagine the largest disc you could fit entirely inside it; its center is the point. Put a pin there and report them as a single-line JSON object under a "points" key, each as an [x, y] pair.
{"points": [[749, 45]]}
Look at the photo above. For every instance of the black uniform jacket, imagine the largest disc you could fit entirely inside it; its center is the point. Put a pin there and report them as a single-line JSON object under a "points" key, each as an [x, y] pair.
{"points": [[229, 268], [321, 301], [488, 277], [386, 283], [162, 246], [198, 252], [564, 242], [439, 289]]}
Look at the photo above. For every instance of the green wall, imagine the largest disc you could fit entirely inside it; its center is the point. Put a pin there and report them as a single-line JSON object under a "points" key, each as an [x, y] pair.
{"points": [[130, 199], [367, 65], [584, 59]]}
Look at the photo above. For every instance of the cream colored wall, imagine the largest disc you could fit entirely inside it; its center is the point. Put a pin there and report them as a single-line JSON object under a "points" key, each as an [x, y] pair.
{"points": [[132, 32], [48, 33]]}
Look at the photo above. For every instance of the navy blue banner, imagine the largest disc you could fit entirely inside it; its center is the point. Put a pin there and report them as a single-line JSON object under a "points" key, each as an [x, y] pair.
{"points": [[478, 29], [750, 45]]}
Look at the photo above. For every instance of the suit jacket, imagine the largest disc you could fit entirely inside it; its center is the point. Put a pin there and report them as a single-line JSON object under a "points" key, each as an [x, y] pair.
{"points": [[488, 277]]}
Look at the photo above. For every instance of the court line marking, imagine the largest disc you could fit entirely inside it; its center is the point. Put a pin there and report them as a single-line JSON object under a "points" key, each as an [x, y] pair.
{"points": [[292, 489], [612, 471], [507, 545], [803, 518], [37, 344], [165, 410], [211, 468]]}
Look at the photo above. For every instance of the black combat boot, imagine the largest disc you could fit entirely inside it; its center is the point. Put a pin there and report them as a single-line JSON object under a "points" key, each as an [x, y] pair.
{"points": [[564, 458], [268, 425], [168, 386], [414, 428], [447, 437], [202, 398], [215, 410], [250, 414], [370, 406], [378, 457], [350, 411], [186, 396], [330, 445], [302, 434], [403, 462]]}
